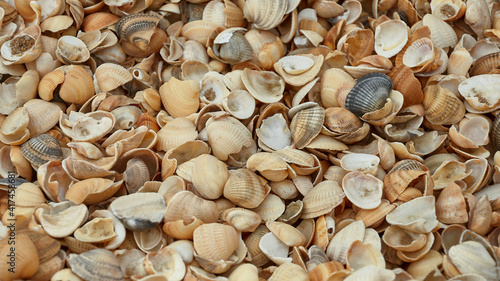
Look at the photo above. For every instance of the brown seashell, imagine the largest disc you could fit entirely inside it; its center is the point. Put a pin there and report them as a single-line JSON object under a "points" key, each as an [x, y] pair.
{"points": [[215, 241], [322, 199], [137, 28], [98, 263], [359, 45], [244, 188], [485, 64], [451, 206], [42, 149], [180, 98], [199, 30], [306, 124], [98, 21], [405, 82], [27, 260], [442, 107], [92, 191]]}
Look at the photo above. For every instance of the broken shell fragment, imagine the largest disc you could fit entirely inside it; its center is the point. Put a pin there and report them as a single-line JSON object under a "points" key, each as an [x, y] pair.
{"points": [[139, 211]]}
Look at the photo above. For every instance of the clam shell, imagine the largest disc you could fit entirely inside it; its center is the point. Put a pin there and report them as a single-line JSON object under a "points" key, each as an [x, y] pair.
{"points": [[61, 219], [92, 191], [175, 133], [241, 219], [231, 46], [239, 103], [289, 271], [43, 116], [298, 71], [342, 241], [24, 47], [306, 124], [322, 199], [485, 64], [199, 30], [137, 28], [265, 14], [42, 149], [441, 106], [98, 263], [360, 255], [180, 98], [271, 208], [271, 138], [287, 234], [369, 94], [215, 241], [479, 91], [185, 205], [335, 85], [110, 76], [407, 84], [403, 240], [136, 214], [209, 176], [264, 86], [245, 189], [97, 230], [364, 191], [405, 217], [442, 35], [26, 253], [472, 257], [390, 37], [274, 249], [71, 50], [227, 137]]}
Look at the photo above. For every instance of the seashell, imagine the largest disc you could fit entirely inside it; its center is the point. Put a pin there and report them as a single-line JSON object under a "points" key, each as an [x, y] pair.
{"points": [[404, 215], [306, 124], [71, 50], [227, 137], [385, 42], [359, 162], [441, 106], [154, 264], [484, 64], [264, 86], [42, 116], [97, 230], [231, 46], [26, 252], [215, 241], [61, 219], [480, 261], [360, 255], [239, 103], [42, 149], [175, 133], [199, 30], [289, 271], [358, 45], [244, 271], [137, 215], [92, 191], [496, 133], [110, 76], [478, 92], [241, 219], [126, 117], [298, 71], [274, 249], [369, 94], [364, 191], [180, 98], [245, 189], [287, 234], [332, 92], [480, 217], [270, 166], [342, 241], [137, 28], [271, 208], [209, 176], [442, 35], [405, 82], [459, 62], [292, 212], [403, 240], [322, 199], [265, 14], [24, 47], [477, 17], [97, 263]]}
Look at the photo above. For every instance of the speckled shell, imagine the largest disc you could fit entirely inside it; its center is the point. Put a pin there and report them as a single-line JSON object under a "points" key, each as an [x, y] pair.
{"points": [[42, 149], [369, 94]]}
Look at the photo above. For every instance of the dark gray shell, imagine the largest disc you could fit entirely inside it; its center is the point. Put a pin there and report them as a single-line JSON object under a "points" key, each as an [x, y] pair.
{"points": [[369, 94], [496, 133], [42, 149]]}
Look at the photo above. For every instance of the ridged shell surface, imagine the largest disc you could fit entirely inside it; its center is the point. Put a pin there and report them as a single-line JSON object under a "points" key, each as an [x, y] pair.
{"points": [[369, 94], [134, 26], [485, 64], [42, 149], [265, 14], [496, 132], [96, 264]]}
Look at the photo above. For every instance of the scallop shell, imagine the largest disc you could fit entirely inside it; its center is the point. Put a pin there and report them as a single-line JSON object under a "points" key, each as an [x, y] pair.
{"points": [[97, 263], [137, 28], [369, 94], [42, 149], [137, 215], [441, 106], [265, 14], [322, 199], [180, 98], [386, 42]]}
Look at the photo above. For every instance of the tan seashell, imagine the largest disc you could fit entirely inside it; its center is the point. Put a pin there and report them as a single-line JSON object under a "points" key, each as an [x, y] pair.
{"points": [[24, 47], [364, 191], [477, 16], [264, 86], [459, 62], [360, 255], [245, 189], [385, 42], [265, 14], [306, 123], [472, 257], [404, 215], [274, 249], [199, 30], [442, 35], [239, 103], [175, 133], [26, 252], [478, 96], [405, 82], [137, 215], [271, 208], [481, 216], [137, 28], [450, 205], [215, 241], [41, 149], [61, 219], [110, 76], [322, 199], [199, 208], [403, 240], [227, 136], [289, 271], [97, 263], [442, 106], [288, 234], [180, 98], [97, 230], [272, 139], [241, 219], [298, 71], [92, 191], [71, 50], [342, 241], [270, 166], [332, 92], [209, 176], [231, 46], [42, 115]]}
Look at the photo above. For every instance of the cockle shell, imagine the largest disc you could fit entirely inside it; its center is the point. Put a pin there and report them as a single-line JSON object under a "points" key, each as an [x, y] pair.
{"points": [[485, 64], [369, 94], [76, 84], [479, 91], [109, 76], [98, 263], [322, 199], [404, 215], [227, 137], [231, 46], [41, 149], [137, 28], [61, 219], [442, 35], [298, 71], [264, 86], [71, 50], [92, 191], [342, 241], [385, 42], [442, 106], [24, 47], [364, 191], [136, 214], [180, 98], [265, 14], [209, 176], [245, 189], [306, 123], [271, 208], [241, 219], [26, 252], [215, 241], [289, 271]]}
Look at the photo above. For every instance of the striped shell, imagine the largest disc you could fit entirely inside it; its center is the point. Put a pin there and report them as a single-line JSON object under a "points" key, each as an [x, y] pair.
{"points": [[42, 149], [496, 132], [265, 14], [137, 29], [369, 94]]}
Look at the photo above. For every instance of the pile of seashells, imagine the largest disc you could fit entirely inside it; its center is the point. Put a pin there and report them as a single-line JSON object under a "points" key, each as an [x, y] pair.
{"points": [[236, 140]]}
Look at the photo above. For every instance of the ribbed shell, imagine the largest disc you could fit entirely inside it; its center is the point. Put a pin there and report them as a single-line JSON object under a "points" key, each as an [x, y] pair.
{"points": [[244, 188], [215, 241], [306, 125], [137, 27], [442, 107], [42, 149], [98, 264], [322, 199], [265, 14], [43, 116], [485, 64], [369, 94], [496, 132]]}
